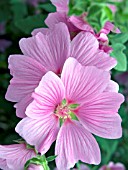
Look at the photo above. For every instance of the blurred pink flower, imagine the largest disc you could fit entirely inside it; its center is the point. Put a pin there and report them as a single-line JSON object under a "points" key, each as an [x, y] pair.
{"points": [[14, 157], [48, 52], [35, 167], [80, 101], [82, 167], [112, 166], [113, 8]]}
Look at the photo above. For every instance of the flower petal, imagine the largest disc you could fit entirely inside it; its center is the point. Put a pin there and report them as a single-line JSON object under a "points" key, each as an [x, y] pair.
{"points": [[22, 105], [42, 30], [100, 115], [112, 87], [85, 48], [16, 155], [26, 74], [61, 5], [83, 83], [47, 96], [3, 164], [39, 132], [50, 50], [75, 143]]}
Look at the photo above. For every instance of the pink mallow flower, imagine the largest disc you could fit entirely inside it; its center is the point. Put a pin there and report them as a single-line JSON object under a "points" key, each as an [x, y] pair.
{"points": [[43, 53], [14, 157], [112, 166], [77, 24], [68, 110]]}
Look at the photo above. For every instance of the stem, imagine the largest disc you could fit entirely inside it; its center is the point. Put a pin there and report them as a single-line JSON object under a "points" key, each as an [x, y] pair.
{"points": [[78, 165], [45, 166]]}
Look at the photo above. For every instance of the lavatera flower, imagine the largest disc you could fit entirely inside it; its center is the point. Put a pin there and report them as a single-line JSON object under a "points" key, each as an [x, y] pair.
{"points": [[43, 53], [68, 110], [14, 157]]}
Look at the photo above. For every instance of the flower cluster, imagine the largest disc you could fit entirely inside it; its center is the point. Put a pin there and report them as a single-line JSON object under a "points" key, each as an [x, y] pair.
{"points": [[63, 92]]}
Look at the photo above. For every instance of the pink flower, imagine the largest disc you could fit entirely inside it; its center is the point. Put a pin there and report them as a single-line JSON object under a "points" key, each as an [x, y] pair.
{"points": [[77, 24], [14, 157], [35, 167], [112, 166], [79, 101], [48, 52]]}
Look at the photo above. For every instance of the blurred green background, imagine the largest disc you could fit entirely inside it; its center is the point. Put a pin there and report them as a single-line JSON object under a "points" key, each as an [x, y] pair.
{"points": [[17, 20]]}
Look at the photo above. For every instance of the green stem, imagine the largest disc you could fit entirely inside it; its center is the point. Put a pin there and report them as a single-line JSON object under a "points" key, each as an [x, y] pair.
{"points": [[78, 165], [45, 166]]}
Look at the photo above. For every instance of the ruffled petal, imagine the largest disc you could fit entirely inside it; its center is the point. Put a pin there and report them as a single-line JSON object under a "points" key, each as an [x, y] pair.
{"points": [[50, 50], [47, 96], [26, 74], [39, 132], [85, 48], [22, 105], [112, 87], [42, 30], [100, 117], [3, 164], [16, 155], [75, 143], [82, 84]]}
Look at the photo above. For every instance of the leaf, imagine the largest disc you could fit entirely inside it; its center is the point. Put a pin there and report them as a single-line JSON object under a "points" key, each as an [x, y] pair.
{"points": [[108, 147], [19, 10], [47, 7], [119, 38], [51, 158], [120, 56], [28, 24]]}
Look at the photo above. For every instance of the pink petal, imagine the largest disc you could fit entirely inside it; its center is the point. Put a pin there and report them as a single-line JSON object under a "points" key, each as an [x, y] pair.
{"points": [[26, 74], [50, 50], [39, 132], [85, 48], [42, 30], [47, 96], [109, 27], [112, 87], [61, 5], [16, 155], [83, 83], [75, 143], [100, 117], [22, 105], [80, 23], [3, 164]]}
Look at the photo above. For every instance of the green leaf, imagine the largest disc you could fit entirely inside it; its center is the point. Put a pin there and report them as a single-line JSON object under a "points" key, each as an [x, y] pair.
{"points": [[47, 7], [5, 12], [108, 147], [106, 15], [19, 10], [120, 56], [73, 106], [119, 38], [28, 24], [51, 158]]}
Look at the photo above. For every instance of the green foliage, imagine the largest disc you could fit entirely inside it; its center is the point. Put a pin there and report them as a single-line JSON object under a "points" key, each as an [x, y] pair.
{"points": [[117, 53], [48, 7], [28, 24], [51, 158]]}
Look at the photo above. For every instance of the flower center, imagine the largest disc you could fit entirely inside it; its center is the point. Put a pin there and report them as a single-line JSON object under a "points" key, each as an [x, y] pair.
{"points": [[65, 110]]}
